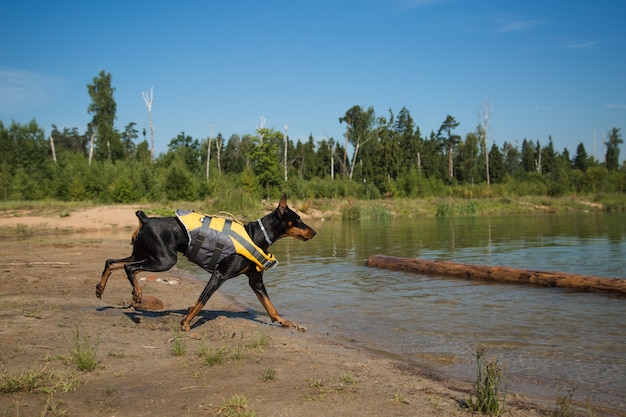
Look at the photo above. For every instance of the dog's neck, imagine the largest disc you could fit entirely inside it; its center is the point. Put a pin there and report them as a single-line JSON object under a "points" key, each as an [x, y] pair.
{"points": [[267, 238], [260, 234]]}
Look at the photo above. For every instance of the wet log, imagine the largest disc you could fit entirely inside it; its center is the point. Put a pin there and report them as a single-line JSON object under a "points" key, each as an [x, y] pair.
{"points": [[499, 273]]}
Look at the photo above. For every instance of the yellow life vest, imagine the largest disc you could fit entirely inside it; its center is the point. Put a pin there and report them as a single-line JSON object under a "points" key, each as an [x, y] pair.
{"points": [[213, 238]]}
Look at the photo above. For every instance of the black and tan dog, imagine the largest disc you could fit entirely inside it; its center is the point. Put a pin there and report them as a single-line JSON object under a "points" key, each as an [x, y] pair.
{"points": [[157, 241]]}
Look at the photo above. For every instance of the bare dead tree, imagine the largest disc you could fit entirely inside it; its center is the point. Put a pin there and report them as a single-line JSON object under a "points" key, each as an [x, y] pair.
{"points": [[218, 148], [148, 100], [208, 154], [54, 154], [331, 145], [485, 120], [344, 167], [91, 140], [285, 150]]}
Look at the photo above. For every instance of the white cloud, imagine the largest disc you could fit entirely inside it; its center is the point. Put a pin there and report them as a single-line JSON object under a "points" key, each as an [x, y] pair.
{"points": [[582, 45], [23, 90]]}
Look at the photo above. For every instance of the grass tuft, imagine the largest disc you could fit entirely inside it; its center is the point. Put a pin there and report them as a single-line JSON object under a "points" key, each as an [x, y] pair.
{"points": [[488, 396], [269, 375], [564, 406], [237, 406], [179, 343], [84, 353], [212, 356]]}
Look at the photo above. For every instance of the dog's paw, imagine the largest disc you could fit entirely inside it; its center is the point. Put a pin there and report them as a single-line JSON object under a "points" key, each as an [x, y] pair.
{"points": [[292, 325], [184, 326]]}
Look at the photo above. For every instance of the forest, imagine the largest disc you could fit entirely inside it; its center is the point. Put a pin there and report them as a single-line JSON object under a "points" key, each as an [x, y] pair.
{"points": [[379, 156]]}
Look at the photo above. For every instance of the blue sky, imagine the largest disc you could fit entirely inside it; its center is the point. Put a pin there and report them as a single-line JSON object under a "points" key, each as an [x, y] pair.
{"points": [[547, 67]]}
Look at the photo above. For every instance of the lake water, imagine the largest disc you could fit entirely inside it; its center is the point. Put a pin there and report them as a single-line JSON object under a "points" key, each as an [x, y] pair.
{"points": [[548, 340]]}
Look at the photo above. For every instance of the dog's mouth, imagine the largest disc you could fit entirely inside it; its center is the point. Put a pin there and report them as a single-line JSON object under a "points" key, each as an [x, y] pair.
{"points": [[300, 234]]}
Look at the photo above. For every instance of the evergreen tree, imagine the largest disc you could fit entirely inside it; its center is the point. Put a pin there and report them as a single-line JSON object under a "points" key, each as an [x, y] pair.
{"points": [[449, 141], [409, 141], [433, 161], [103, 108], [512, 159], [69, 140], [581, 160], [549, 158], [528, 156], [496, 165], [128, 137], [612, 149], [468, 171]]}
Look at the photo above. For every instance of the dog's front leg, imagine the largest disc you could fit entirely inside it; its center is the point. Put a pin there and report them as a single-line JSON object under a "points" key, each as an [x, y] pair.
{"points": [[256, 283], [214, 283]]}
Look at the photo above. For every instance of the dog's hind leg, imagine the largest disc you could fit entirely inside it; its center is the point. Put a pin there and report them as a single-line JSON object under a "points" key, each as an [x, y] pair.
{"points": [[147, 265], [109, 266], [255, 279], [114, 264]]}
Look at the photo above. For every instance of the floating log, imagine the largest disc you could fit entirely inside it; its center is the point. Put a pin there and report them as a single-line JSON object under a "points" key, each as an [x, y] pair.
{"points": [[499, 273]]}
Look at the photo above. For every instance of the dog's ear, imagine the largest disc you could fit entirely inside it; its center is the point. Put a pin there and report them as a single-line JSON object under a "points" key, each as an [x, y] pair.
{"points": [[282, 205]]}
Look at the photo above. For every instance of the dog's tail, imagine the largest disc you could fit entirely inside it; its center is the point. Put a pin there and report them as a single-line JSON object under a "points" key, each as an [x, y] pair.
{"points": [[142, 220]]}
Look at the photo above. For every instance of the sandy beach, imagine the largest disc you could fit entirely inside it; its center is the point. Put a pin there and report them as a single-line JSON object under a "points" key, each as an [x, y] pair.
{"points": [[47, 298]]}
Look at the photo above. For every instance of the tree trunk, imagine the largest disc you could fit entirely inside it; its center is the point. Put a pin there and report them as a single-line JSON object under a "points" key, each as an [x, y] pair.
{"points": [[499, 273], [208, 154], [54, 154], [91, 140], [148, 100]]}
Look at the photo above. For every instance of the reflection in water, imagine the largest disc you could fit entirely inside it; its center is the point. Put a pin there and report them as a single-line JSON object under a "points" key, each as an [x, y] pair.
{"points": [[550, 340]]}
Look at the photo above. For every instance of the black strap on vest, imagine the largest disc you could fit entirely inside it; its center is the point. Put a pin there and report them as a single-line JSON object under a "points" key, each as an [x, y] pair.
{"points": [[219, 246], [254, 252], [197, 243]]}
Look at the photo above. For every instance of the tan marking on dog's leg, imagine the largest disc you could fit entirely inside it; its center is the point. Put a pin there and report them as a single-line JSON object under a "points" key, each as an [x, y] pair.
{"points": [[136, 290], [107, 273], [185, 323], [271, 311]]}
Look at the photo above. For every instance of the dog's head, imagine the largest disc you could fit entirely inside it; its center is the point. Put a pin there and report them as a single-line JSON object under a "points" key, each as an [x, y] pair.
{"points": [[290, 223]]}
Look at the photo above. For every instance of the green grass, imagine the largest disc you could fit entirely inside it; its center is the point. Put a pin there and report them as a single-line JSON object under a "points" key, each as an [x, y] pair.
{"points": [[258, 342], [212, 356], [179, 343], [489, 391], [564, 407], [38, 381], [84, 353], [346, 382], [269, 375], [236, 406], [236, 352]]}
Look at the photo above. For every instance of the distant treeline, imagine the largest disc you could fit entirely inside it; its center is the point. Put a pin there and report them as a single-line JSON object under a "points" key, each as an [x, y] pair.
{"points": [[391, 158]]}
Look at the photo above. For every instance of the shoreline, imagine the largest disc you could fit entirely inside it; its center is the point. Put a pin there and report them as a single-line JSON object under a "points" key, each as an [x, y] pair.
{"points": [[47, 292]]}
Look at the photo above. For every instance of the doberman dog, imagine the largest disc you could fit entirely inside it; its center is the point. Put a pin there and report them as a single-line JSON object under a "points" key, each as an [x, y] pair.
{"points": [[158, 239]]}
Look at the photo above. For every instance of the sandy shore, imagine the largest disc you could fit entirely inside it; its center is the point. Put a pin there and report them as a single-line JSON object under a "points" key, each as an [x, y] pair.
{"points": [[47, 296]]}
